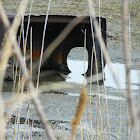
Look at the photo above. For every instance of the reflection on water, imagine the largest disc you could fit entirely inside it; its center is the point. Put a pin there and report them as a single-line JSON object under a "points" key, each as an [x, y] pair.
{"points": [[119, 70], [77, 69]]}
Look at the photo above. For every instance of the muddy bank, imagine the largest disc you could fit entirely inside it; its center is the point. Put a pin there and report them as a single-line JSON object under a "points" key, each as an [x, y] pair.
{"points": [[60, 109]]}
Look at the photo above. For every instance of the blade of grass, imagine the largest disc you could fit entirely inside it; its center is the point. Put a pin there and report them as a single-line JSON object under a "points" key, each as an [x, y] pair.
{"points": [[42, 47]]}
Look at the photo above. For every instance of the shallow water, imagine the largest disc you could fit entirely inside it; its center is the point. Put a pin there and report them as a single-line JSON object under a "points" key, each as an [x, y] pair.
{"points": [[119, 70], [77, 69]]}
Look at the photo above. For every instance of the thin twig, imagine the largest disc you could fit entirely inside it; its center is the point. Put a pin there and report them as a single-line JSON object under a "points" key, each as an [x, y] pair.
{"points": [[31, 48], [42, 47]]}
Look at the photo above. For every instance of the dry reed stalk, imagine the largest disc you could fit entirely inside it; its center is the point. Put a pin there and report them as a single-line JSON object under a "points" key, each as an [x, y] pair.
{"points": [[15, 76], [84, 54], [127, 55], [103, 110], [97, 120], [129, 36], [13, 107], [86, 124], [85, 80], [101, 107], [108, 119], [101, 42], [28, 24], [6, 53], [36, 101], [19, 108], [97, 78], [14, 131], [32, 125], [27, 113], [102, 68], [81, 134], [31, 88], [91, 77], [59, 118], [31, 48], [61, 130], [30, 135], [24, 38], [16, 68], [120, 118], [80, 108], [42, 47], [90, 91], [7, 49], [97, 30], [128, 121], [27, 30], [25, 124]]}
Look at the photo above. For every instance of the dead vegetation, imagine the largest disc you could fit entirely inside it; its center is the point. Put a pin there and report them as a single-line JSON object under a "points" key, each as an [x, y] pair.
{"points": [[26, 90]]}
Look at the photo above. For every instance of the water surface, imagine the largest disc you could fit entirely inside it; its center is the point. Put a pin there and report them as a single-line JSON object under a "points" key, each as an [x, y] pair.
{"points": [[77, 69]]}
